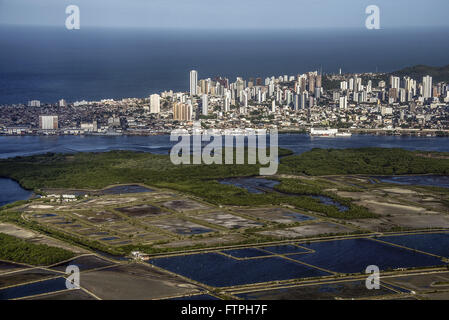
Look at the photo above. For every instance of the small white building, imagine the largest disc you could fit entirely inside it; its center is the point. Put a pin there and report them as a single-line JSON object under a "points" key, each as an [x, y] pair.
{"points": [[326, 132]]}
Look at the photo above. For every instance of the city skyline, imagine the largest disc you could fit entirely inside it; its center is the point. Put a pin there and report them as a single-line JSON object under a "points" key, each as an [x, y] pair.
{"points": [[247, 151], [358, 102]]}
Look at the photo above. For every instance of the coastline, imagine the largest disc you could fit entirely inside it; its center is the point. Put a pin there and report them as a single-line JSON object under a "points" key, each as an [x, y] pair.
{"points": [[374, 132]]}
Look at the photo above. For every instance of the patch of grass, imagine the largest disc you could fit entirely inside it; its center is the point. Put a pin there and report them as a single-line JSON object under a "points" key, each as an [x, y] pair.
{"points": [[375, 161], [18, 250]]}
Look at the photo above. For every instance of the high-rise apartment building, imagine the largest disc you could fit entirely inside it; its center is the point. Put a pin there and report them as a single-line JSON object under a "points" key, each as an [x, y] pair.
{"points": [[427, 87], [343, 103], [48, 122], [205, 104], [34, 103], [395, 82], [182, 111], [193, 83], [155, 103]]}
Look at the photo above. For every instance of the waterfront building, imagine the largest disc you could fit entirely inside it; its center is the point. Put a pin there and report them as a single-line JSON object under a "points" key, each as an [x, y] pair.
{"points": [[48, 122]]}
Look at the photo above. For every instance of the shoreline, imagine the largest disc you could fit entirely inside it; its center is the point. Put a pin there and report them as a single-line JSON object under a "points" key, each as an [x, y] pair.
{"points": [[374, 132]]}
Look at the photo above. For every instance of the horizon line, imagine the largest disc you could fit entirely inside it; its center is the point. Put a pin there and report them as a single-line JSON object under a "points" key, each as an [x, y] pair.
{"points": [[190, 28]]}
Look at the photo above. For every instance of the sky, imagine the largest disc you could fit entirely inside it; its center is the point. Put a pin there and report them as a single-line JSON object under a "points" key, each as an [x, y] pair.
{"points": [[228, 14]]}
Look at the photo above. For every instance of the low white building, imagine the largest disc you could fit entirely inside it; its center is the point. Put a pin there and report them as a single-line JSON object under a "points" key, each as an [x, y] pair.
{"points": [[323, 132]]}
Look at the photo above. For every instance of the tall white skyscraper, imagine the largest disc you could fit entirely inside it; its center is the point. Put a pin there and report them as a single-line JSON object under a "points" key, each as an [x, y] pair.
{"points": [[205, 104], [296, 102], [395, 82], [343, 103], [303, 100], [351, 84], [245, 99], [155, 103], [48, 122], [193, 83], [34, 103], [427, 87]]}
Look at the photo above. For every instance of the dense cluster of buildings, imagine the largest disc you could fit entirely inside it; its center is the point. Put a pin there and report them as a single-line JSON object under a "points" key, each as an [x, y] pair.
{"points": [[354, 102]]}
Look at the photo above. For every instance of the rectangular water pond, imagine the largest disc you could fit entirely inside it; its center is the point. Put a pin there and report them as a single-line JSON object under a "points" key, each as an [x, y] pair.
{"points": [[296, 217], [125, 189], [418, 180], [33, 289], [355, 255], [25, 276], [84, 263], [245, 253], [327, 291], [220, 271], [286, 249], [435, 243], [252, 185], [10, 266]]}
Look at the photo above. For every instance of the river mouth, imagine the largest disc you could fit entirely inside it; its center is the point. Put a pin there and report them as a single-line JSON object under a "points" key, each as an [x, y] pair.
{"points": [[418, 180], [260, 186]]}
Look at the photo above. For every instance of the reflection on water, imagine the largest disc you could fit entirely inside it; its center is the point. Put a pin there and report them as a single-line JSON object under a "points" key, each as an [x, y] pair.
{"points": [[12, 146], [260, 185], [331, 202], [343, 256], [253, 185], [11, 191], [32, 289]]}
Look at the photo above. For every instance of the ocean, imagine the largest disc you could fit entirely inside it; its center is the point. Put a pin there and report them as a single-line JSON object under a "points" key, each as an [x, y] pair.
{"points": [[51, 63]]}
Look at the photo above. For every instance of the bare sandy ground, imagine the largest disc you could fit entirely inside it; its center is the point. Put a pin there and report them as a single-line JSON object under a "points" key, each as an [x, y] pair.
{"points": [[385, 208], [135, 281], [408, 221], [424, 282], [421, 221], [307, 230], [400, 191], [225, 240], [41, 206], [32, 236]]}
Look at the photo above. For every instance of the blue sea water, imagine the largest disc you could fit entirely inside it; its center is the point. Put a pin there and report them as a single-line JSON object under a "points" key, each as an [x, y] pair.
{"points": [[50, 63]]}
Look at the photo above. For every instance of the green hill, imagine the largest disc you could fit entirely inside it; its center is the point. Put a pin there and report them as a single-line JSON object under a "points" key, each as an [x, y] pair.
{"points": [[439, 74]]}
